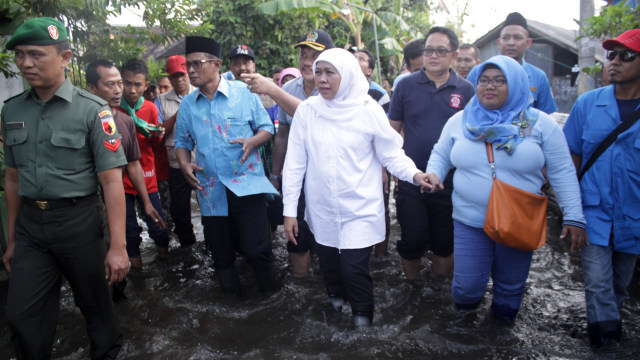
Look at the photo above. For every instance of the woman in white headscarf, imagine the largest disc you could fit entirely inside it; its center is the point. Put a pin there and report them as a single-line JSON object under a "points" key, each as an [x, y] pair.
{"points": [[338, 143]]}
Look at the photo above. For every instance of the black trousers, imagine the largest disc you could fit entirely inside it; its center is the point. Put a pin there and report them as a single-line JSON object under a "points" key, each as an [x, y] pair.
{"points": [[50, 244], [180, 207], [346, 274], [245, 229], [306, 241]]}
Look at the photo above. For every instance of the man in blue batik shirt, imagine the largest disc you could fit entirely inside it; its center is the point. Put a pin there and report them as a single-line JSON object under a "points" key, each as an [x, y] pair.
{"points": [[513, 42], [228, 123]]}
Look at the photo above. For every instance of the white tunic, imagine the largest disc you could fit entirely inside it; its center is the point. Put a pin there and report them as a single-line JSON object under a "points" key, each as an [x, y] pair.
{"points": [[341, 162]]}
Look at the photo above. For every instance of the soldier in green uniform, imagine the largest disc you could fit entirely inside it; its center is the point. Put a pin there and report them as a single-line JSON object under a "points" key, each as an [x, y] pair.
{"points": [[60, 144], [3, 205]]}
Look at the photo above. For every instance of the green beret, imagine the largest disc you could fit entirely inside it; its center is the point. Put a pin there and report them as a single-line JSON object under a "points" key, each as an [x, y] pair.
{"points": [[39, 31]]}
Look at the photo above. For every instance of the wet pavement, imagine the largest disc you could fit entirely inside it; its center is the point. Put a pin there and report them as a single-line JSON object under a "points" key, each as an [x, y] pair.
{"points": [[177, 311]]}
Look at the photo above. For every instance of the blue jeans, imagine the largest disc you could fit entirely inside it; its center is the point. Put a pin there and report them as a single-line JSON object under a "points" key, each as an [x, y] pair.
{"points": [[476, 257], [133, 230], [607, 274]]}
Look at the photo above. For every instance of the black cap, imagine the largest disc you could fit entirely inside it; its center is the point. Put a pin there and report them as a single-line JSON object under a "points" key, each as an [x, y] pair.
{"points": [[515, 18], [317, 40], [202, 44], [241, 50]]}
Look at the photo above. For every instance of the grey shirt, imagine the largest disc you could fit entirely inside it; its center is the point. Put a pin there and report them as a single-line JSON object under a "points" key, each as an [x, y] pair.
{"points": [[294, 87]]}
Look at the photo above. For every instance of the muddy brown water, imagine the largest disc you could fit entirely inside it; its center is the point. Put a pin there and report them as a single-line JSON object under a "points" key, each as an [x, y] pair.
{"points": [[176, 311]]}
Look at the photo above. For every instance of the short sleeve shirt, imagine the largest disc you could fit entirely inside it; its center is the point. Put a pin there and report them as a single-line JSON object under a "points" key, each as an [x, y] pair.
{"points": [[424, 110], [233, 113], [294, 87], [60, 145]]}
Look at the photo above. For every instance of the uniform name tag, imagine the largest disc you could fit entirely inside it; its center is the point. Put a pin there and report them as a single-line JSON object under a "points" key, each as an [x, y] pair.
{"points": [[14, 125]]}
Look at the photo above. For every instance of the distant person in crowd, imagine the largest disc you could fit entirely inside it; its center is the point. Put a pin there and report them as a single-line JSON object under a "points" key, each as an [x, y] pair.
{"points": [[145, 117], [286, 75], [179, 188], [275, 74], [288, 98], [61, 144], [610, 187], [420, 106], [520, 152], [164, 85], [343, 129], [513, 42], [228, 173], [367, 63], [152, 91], [468, 57], [411, 61], [242, 61]]}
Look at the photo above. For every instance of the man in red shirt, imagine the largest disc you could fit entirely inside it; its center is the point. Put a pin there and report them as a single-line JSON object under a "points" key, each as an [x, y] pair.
{"points": [[145, 115]]}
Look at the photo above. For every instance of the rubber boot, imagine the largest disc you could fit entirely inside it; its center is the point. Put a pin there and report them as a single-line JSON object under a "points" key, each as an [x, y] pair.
{"points": [[229, 280], [266, 279]]}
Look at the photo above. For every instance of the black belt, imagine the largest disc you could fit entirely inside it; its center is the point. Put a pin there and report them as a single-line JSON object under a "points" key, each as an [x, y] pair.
{"points": [[58, 203]]}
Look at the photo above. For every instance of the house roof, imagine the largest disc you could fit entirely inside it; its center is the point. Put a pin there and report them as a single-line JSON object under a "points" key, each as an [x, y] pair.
{"points": [[564, 38]]}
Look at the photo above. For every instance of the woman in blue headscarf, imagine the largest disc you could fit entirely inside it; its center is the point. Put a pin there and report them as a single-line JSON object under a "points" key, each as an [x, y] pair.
{"points": [[525, 141]]}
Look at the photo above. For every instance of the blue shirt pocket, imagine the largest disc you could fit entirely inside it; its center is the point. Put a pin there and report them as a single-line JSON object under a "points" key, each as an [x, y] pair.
{"points": [[239, 128]]}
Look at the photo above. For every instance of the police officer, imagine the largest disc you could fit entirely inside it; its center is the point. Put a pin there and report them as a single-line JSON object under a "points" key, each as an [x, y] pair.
{"points": [[61, 142]]}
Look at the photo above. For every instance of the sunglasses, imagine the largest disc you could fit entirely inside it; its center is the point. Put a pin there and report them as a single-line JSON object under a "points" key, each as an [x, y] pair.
{"points": [[625, 55]]}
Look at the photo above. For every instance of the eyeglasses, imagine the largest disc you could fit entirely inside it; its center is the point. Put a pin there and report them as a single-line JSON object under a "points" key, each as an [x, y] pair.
{"points": [[497, 82], [197, 64], [439, 52], [625, 55]]}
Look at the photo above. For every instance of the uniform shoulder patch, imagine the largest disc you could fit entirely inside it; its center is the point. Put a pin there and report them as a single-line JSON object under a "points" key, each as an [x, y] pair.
{"points": [[108, 124], [112, 144]]}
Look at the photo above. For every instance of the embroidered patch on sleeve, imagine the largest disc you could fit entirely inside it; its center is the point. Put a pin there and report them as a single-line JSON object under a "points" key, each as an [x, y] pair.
{"points": [[112, 144], [108, 125]]}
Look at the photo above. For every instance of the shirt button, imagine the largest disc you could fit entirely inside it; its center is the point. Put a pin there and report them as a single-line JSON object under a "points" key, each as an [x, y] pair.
{"points": [[41, 189], [39, 165], [43, 117], [40, 141]]}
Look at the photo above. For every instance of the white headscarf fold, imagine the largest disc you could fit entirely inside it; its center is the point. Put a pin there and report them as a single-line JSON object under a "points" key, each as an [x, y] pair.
{"points": [[352, 93]]}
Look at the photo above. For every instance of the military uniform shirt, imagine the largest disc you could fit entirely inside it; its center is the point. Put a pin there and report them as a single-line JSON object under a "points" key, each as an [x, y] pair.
{"points": [[60, 145]]}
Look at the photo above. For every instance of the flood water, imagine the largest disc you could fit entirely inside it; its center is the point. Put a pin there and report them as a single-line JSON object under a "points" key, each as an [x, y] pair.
{"points": [[177, 311]]}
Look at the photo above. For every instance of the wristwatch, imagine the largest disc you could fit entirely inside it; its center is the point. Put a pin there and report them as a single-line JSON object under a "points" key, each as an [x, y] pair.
{"points": [[275, 177]]}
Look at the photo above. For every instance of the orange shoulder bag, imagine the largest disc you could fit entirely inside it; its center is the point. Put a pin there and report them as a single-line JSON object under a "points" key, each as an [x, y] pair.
{"points": [[515, 217]]}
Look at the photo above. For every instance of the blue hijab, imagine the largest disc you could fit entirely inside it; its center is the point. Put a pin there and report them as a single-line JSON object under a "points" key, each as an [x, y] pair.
{"points": [[503, 126]]}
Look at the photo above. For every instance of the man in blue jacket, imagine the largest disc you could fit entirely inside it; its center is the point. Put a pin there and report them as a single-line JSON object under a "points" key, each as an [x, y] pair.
{"points": [[610, 187]]}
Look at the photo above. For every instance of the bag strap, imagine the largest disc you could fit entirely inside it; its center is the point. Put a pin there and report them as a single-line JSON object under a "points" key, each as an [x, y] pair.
{"points": [[492, 163], [610, 139]]}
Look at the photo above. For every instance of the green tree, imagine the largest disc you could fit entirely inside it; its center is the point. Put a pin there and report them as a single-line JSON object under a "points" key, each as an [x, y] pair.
{"points": [[390, 15], [612, 21], [92, 37], [271, 37]]}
